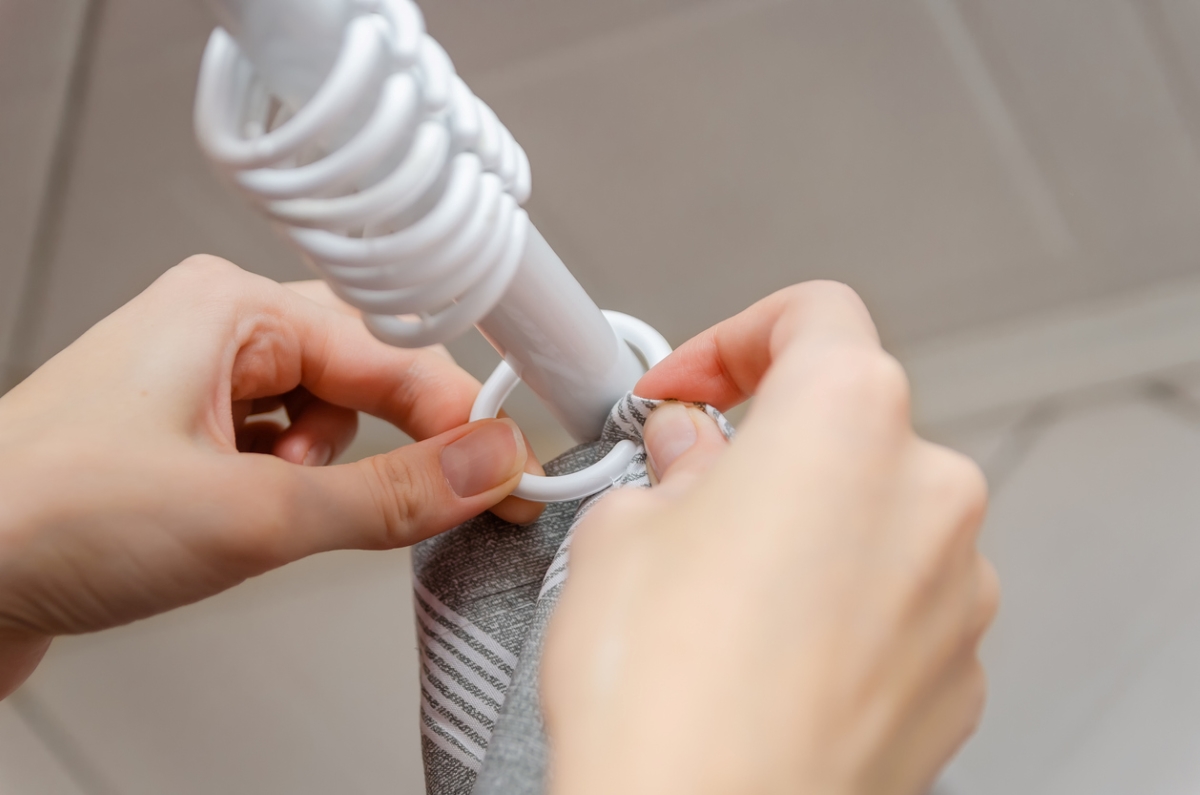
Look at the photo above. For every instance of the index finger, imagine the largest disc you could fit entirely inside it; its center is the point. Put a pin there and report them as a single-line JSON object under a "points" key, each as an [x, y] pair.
{"points": [[724, 365], [421, 391], [248, 337]]}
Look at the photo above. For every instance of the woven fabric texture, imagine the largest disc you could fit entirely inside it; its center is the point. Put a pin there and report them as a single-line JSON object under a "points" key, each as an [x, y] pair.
{"points": [[483, 594]]}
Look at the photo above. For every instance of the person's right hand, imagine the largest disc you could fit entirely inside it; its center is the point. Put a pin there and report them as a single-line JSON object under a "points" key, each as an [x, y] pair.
{"points": [[797, 611]]}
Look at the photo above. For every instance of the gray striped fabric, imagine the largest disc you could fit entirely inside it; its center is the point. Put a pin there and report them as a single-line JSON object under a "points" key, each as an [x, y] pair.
{"points": [[484, 594]]}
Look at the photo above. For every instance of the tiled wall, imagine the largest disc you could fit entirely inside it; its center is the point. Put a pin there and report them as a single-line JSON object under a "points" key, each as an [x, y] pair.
{"points": [[1012, 184], [958, 161]]}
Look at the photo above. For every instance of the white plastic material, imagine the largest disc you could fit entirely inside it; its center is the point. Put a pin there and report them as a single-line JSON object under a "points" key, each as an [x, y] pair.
{"points": [[295, 64], [348, 126], [653, 348]]}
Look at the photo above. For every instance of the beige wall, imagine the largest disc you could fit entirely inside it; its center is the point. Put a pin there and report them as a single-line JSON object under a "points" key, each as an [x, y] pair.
{"points": [[1012, 184]]}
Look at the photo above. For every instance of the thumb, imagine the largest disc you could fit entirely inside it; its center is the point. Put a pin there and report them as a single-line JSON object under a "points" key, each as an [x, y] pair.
{"points": [[402, 497], [682, 442]]}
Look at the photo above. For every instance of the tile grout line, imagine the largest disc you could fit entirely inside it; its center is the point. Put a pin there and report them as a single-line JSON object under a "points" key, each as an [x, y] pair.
{"points": [[633, 38], [1168, 396], [1119, 339], [1159, 391], [50, 732], [1181, 90], [50, 212], [1018, 442], [1001, 125]]}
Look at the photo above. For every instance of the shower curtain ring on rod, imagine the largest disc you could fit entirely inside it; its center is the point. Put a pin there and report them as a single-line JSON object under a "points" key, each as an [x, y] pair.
{"points": [[645, 340]]}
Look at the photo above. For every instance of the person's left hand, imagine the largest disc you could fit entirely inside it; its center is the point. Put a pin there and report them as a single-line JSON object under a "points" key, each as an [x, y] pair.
{"points": [[134, 477]]}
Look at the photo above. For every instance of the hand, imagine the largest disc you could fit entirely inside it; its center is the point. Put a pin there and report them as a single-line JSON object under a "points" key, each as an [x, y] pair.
{"points": [[797, 611], [122, 490]]}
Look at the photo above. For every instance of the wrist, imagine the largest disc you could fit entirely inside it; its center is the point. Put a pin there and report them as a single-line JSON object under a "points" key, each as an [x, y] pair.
{"points": [[21, 649]]}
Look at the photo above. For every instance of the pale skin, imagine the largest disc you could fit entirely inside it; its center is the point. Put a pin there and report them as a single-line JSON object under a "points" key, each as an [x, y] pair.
{"points": [[797, 611]]}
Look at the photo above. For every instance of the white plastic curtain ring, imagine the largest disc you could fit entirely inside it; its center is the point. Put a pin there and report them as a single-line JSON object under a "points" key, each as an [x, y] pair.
{"points": [[653, 348], [449, 265]]}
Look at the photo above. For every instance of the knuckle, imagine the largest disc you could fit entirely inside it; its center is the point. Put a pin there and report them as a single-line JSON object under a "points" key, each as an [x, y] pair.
{"points": [[865, 378], [203, 268], [821, 291], [801, 299], [989, 594], [953, 495], [980, 595], [977, 687], [397, 488], [973, 484], [204, 276], [884, 376], [964, 485], [954, 481]]}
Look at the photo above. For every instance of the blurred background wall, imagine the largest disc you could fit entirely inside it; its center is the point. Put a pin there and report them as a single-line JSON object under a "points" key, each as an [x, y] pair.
{"points": [[1013, 186]]}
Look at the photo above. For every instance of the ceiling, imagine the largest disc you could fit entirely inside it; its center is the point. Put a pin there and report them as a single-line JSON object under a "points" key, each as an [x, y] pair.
{"points": [[959, 162]]}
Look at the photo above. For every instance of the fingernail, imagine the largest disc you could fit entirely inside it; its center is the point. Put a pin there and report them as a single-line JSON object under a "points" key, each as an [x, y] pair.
{"points": [[318, 455], [484, 458], [670, 433]]}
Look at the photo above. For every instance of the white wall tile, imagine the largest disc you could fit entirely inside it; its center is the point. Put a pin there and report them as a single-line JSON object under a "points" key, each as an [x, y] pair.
{"points": [[688, 158], [26, 766], [141, 196], [1079, 347], [1147, 738], [37, 41], [1188, 385], [1094, 537], [1088, 88], [1182, 25], [485, 35], [302, 681], [746, 146]]}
